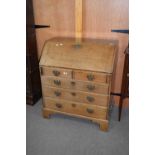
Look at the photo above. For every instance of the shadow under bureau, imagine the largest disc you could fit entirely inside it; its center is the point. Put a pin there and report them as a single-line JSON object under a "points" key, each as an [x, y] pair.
{"points": [[77, 79]]}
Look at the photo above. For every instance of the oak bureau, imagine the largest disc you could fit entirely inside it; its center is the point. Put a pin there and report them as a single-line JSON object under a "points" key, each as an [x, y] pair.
{"points": [[77, 79]]}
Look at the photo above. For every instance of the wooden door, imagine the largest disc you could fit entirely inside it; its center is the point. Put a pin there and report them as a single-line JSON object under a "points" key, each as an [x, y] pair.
{"points": [[33, 84]]}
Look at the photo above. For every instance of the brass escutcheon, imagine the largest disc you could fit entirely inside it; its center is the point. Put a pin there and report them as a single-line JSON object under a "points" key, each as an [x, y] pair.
{"points": [[56, 73], [57, 82], [90, 87], [57, 93], [90, 77]]}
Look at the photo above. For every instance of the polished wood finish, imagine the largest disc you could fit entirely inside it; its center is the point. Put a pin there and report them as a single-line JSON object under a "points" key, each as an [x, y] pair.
{"points": [[78, 96], [86, 86], [78, 21], [104, 124], [99, 17], [76, 108], [56, 72], [33, 84], [84, 91], [96, 76], [62, 52]]}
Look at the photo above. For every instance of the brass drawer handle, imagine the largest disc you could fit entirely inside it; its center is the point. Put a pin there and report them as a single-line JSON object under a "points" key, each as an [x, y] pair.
{"points": [[90, 77], [74, 94], [90, 111], [73, 83], [90, 87], [57, 82], [90, 98], [58, 105], [57, 93], [73, 105], [56, 73]]}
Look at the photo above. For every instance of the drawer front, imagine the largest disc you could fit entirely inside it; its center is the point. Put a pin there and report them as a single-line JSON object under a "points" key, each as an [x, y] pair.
{"points": [[75, 85], [92, 76], [78, 96], [76, 108], [56, 72]]}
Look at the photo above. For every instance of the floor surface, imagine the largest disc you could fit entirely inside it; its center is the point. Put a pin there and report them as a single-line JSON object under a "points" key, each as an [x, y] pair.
{"points": [[65, 135]]}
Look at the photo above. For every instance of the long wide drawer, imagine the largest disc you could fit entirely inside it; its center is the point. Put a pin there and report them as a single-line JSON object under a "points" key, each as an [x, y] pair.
{"points": [[77, 96], [76, 108], [75, 85]]}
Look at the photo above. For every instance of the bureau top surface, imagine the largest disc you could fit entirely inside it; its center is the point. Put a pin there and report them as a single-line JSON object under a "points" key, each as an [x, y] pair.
{"points": [[93, 55]]}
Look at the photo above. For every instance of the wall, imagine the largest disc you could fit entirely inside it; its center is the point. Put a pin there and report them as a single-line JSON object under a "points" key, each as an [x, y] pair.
{"points": [[99, 17]]}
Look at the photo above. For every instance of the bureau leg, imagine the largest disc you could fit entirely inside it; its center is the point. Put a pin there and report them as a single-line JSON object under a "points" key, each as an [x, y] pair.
{"points": [[46, 113], [103, 126]]}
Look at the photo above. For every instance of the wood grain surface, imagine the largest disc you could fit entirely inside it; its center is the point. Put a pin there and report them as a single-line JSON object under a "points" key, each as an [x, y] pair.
{"points": [[78, 21], [77, 96], [76, 108], [91, 87], [93, 55]]}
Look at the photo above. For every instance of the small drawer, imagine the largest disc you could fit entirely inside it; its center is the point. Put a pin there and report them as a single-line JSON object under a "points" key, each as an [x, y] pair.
{"points": [[77, 96], [76, 108], [86, 86], [56, 72], [92, 76]]}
